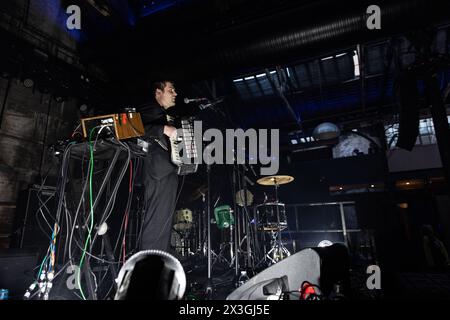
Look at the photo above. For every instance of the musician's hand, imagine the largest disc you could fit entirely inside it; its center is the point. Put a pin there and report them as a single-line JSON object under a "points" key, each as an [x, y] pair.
{"points": [[170, 131]]}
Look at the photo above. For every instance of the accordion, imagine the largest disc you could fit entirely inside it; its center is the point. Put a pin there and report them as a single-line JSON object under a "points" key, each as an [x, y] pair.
{"points": [[183, 150]]}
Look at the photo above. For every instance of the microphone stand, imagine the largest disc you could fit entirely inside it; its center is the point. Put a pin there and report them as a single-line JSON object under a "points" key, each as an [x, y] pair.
{"points": [[209, 283], [236, 228]]}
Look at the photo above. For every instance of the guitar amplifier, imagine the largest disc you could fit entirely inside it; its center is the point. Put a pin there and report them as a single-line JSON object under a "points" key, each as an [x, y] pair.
{"points": [[125, 125]]}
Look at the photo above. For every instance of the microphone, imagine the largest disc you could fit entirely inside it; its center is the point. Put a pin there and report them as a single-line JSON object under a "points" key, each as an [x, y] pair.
{"points": [[187, 100]]}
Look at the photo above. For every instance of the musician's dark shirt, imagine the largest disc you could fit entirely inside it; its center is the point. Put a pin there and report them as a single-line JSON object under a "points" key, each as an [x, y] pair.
{"points": [[157, 164]]}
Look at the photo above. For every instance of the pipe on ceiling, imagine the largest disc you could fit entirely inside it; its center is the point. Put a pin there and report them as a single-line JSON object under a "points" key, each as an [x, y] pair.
{"points": [[300, 33]]}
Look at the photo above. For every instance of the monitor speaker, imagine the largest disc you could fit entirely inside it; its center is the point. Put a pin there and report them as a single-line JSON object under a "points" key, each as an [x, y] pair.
{"points": [[324, 267], [302, 266]]}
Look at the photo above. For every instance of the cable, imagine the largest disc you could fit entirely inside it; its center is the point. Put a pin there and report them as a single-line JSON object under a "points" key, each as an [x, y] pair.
{"points": [[91, 211], [89, 223], [311, 296], [112, 198], [130, 190]]}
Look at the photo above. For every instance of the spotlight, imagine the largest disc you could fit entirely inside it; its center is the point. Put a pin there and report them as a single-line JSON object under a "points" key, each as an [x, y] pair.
{"points": [[326, 131], [325, 243], [403, 205]]}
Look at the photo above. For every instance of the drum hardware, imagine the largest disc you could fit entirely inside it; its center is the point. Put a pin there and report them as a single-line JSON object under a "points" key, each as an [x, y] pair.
{"points": [[278, 251], [180, 244], [271, 216], [182, 227], [274, 221], [225, 220]]}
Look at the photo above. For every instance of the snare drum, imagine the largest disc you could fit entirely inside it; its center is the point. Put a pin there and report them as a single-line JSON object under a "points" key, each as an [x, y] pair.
{"points": [[182, 220], [267, 216]]}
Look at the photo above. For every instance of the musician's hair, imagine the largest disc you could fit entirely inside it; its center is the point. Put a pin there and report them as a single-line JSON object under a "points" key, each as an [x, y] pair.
{"points": [[160, 84]]}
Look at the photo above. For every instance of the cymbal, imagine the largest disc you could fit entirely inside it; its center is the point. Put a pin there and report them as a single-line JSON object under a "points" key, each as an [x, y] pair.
{"points": [[273, 180]]}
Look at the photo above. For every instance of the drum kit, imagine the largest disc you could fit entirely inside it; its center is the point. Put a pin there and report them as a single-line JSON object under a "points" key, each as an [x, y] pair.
{"points": [[269, 221], [183, 223]]}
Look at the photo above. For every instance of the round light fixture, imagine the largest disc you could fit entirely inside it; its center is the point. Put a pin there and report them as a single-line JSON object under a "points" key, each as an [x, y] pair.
{"points": [[326, 131], [324, 243], [28, 83]]}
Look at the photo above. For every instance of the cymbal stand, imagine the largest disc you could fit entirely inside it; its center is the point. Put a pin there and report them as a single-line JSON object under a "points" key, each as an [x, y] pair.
{"points": [[249, 260], [279, 250]]}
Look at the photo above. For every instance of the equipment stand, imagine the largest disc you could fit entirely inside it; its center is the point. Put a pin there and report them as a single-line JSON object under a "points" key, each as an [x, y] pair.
{"points": [[209, 284]]}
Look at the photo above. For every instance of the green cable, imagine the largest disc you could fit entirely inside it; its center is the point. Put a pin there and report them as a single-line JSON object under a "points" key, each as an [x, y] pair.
{"points": [[42, 265], [91, 213]]}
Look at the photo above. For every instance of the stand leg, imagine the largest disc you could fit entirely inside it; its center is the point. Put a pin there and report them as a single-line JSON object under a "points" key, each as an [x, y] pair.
{"points": [[209, 285]]}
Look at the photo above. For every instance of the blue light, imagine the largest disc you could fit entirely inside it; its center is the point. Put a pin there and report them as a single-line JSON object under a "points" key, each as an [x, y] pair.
{"points": [[156, 6], [56, 15]]}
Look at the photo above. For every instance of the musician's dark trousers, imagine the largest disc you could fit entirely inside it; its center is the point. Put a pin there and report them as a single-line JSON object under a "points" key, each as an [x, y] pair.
{"points": [[160, 197]]}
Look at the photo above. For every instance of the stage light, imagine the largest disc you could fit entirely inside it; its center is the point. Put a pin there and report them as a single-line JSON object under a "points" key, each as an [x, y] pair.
{"points": [[326, 131], [325, 243], [372, 186]]}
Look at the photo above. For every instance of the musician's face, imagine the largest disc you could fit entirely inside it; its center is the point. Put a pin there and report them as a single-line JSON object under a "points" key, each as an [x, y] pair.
{"points": [[166, 97]]}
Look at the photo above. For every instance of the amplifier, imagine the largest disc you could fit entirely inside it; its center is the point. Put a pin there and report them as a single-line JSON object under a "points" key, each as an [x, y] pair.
{"points": [[126, 125]]}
